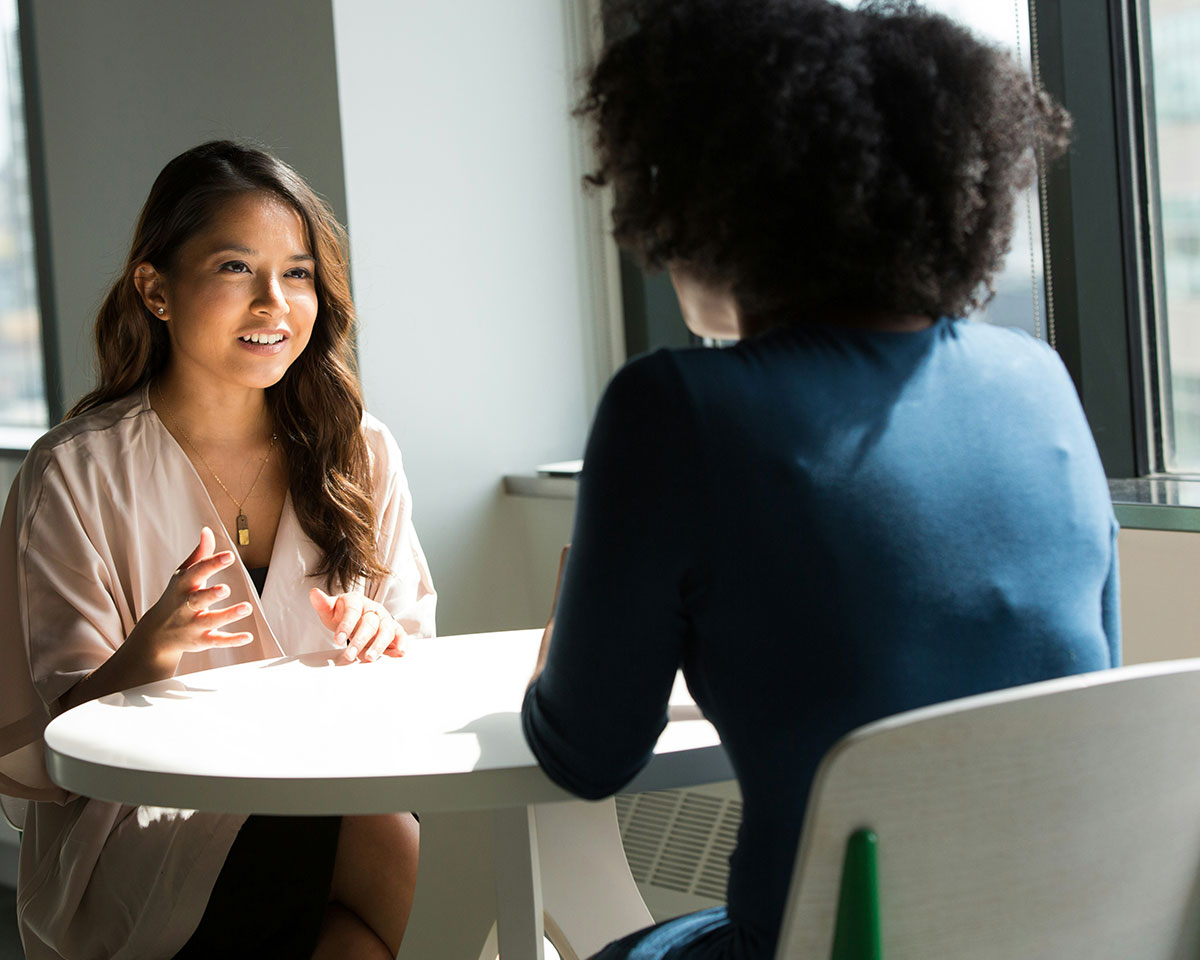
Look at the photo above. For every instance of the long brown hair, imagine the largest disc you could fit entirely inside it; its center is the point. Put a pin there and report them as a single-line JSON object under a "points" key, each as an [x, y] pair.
{"points": [[318, 404]]}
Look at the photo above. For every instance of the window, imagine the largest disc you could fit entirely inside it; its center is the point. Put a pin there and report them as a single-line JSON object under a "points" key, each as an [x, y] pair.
{"points": [[1124, 223], [1173, 135], [22, 383]]}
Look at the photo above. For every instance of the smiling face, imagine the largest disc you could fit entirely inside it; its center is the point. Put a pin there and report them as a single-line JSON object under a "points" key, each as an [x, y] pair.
{"points": [[240, 300]]}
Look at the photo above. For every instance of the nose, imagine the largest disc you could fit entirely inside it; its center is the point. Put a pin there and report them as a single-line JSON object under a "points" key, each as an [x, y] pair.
{"points": [[270, 300]]}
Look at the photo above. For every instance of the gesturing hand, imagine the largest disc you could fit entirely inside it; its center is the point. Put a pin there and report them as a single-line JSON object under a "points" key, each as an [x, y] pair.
{"points": [[366, 627], [183, 621]]}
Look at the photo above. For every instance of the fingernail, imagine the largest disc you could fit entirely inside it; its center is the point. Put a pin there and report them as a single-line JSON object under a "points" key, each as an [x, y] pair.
{"points": [[225, 557], [339, 638], [222, 590], [373, 655]]}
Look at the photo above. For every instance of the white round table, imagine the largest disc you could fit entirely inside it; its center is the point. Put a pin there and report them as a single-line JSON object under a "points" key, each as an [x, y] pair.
{"points": [[437, 731]]}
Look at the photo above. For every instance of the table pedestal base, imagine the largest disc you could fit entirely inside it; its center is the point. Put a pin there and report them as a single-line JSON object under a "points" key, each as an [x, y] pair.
{"points": [[490, 880]]}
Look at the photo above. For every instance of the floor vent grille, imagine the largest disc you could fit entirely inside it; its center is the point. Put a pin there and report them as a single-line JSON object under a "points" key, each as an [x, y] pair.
{"points": [[680, 839]]}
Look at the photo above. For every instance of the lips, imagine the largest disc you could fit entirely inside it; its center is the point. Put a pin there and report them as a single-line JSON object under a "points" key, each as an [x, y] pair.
{"points": [[264, 343], [264, 337]]}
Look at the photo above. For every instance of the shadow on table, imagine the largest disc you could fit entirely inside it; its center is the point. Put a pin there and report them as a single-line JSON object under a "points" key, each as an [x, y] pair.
{"points": [[167, 690], [501, 740], [179, 688], [317, 658]]}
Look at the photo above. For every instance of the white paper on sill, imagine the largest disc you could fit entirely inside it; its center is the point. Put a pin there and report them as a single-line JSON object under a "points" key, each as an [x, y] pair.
{"points": [[563, 468]]}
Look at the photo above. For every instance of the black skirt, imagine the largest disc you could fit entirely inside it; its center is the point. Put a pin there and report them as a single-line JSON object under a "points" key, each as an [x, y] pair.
{"points": [[270, 897]]}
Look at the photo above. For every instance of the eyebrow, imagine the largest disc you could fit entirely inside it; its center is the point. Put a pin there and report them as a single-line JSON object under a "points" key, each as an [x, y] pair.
{"points": [[237, 248]]}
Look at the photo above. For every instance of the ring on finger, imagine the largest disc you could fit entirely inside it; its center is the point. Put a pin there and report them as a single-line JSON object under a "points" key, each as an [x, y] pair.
{"points": [[188, 602]]}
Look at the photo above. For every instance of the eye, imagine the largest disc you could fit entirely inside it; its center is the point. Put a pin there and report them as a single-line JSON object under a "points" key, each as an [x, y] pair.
{"points": [[299, 273], [235, 266]]}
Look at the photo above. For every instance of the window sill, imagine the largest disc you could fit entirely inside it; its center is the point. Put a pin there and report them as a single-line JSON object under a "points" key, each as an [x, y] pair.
{"points": [[540, 485], [1151, 503], [1157, 503], [553, 481]]}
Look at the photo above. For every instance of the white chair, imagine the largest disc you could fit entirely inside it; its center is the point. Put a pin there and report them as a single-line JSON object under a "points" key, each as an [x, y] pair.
{"points": [[14, 810], [1053, 821]]}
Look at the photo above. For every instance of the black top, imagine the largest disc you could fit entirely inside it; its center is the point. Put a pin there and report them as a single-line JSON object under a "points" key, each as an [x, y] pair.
{"points": [[258, 576]]}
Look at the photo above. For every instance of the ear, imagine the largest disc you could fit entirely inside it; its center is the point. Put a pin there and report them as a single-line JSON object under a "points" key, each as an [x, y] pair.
{"points": [[151, 286]]}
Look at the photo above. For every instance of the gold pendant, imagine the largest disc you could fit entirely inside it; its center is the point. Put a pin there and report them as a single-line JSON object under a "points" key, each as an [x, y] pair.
{"points": [[243, 529]]}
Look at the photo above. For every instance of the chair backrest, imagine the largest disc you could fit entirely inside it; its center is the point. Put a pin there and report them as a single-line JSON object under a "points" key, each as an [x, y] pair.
{"points": [[1055, 820], [14, 811]]}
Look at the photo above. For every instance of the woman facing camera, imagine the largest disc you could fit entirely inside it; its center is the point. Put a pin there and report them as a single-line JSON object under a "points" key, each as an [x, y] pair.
{"points": [[220, 497], [867, 504]]}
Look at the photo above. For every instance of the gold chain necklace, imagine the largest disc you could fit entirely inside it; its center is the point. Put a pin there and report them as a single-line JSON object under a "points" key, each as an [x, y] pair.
{"points": [[243, 528]]}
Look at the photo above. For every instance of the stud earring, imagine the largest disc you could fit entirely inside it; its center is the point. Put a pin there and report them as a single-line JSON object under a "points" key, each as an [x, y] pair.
{"points": [[160, 311]]}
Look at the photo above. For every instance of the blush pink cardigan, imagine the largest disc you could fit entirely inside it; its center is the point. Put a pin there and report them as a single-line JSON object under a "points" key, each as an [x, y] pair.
{"points": [[104, 509]]}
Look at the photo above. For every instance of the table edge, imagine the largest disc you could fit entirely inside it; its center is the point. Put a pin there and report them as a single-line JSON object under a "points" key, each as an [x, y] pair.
{"points": [[458, 792]]}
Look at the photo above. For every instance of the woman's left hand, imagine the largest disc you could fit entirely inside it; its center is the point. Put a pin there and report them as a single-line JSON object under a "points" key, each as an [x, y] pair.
{"points": [[544, 649], [366, 627]]}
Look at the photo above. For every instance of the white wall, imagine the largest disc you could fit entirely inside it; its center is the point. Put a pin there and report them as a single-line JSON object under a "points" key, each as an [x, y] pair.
{"points": [[125, 85], [1160, 604], [463, 193]]}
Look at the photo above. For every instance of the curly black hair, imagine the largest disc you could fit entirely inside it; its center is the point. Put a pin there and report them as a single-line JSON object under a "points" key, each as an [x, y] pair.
{"points": [[817, 160]]}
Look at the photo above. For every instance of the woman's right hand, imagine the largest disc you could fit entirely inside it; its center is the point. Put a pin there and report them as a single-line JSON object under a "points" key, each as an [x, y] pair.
{"points": [[181, 621], [184, 619]]}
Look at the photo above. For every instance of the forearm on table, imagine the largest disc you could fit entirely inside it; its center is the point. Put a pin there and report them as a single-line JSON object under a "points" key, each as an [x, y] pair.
{"points": [[133, 663]]}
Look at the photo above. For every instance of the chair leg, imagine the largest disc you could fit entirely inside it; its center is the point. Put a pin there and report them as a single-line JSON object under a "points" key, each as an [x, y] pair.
{"points": [[589, 895], [857, 932]]}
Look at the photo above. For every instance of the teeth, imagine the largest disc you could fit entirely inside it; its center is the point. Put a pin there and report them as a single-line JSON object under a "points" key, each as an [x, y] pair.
{"points": [[262, 338]]}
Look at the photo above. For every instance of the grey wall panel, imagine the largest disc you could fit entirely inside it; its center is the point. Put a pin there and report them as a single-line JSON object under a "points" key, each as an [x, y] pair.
{"points": [[125, 85]]}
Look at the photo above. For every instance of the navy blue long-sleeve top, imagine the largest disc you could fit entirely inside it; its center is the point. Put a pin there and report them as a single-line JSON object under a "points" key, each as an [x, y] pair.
{"points": [[821, 527]]}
